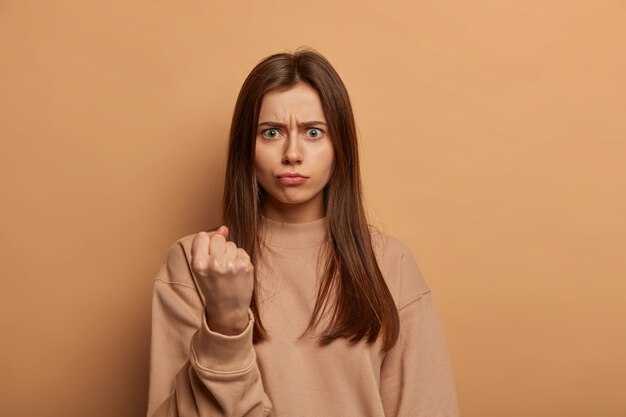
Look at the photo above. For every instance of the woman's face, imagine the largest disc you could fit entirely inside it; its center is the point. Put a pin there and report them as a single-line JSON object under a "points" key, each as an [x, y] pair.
{"points": [[292, 137]]}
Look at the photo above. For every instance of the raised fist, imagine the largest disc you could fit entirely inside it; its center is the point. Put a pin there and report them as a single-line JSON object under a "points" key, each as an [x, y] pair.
{"points": [[226, 279]]}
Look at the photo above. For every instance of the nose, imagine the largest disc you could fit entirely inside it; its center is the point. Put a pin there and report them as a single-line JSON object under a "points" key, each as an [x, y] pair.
{"points": [[293, 153]]}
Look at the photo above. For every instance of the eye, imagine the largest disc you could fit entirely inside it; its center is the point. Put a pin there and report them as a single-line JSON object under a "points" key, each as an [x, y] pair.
{"points": [[272, 133], [316, 132]]}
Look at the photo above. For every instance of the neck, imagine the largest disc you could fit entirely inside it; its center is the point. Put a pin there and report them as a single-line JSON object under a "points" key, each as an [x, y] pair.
{"points": [[293, 217], [294, 234], [313, 209]]}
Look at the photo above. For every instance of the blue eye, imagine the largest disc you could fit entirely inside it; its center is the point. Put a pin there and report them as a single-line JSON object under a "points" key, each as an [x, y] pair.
{"points": [[270, 130], [318, 134]]}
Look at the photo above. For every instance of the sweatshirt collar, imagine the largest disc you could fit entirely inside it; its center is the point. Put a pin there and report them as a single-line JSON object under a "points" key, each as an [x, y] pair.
{"points": [[293, 235]]}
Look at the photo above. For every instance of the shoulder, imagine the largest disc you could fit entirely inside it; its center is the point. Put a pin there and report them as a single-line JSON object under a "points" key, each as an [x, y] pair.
{"points": [[176, 293], [399, 267], [176, 267]]}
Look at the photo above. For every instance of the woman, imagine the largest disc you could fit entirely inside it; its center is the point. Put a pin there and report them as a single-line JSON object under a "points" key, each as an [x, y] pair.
{"points": [[295, 305]]}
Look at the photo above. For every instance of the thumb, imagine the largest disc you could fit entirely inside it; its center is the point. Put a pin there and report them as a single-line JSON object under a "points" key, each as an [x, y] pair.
{"points": [[223, 230]]}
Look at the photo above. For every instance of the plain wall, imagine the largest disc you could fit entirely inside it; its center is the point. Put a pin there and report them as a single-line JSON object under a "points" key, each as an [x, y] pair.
{"points": [[493, 142]]}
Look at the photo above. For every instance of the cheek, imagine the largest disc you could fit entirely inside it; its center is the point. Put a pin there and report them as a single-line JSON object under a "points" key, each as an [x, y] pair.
{"points": [[261, 165], [328, 158]]}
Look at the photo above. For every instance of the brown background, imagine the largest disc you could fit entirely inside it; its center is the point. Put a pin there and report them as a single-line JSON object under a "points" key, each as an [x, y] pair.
{"points": [[493, 141]]}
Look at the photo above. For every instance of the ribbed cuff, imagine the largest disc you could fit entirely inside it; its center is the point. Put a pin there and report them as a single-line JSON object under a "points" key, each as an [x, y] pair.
{"points": [[219, 353]]}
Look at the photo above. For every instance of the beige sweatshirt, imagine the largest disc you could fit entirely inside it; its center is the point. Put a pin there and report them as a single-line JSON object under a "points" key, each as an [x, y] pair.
{"points": [[197, 372]]}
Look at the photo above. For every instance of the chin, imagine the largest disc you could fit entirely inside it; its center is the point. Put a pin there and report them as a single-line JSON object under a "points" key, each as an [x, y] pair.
{"points": [[298, 198], [294, 200]]}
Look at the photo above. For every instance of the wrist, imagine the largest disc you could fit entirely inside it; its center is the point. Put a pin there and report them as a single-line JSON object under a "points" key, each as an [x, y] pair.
{"points": [[229, 324]]}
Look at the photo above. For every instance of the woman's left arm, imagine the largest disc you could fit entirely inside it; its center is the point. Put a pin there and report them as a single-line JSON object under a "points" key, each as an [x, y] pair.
{"points": [[416, 377]]}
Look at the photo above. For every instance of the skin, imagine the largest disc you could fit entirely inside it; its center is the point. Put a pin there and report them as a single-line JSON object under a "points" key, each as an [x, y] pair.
{"points": [[225, 272], [293, 148]]}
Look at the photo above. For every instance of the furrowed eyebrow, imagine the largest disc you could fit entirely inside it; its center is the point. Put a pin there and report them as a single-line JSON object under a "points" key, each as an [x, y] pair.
{"points": [[303, 124]]}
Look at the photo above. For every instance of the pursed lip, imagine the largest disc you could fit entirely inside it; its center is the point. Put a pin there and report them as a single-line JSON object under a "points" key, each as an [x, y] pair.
{"points": [[292, 175]]}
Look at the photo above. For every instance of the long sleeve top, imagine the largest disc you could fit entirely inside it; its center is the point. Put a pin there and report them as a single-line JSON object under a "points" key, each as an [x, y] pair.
{"points": [[195, 371]]}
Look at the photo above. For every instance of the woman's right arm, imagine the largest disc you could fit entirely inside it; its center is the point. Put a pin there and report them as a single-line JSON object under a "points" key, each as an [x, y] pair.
{"points": [[195, 371]]}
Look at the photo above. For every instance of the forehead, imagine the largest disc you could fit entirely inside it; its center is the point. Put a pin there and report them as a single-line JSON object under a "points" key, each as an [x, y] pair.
{"points": [[300, 101]]}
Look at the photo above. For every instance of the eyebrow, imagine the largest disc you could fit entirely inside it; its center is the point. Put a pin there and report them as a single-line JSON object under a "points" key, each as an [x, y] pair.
{"points": [[276, 124]]}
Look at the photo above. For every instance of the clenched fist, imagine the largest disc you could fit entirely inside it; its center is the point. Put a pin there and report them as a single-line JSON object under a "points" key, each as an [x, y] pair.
{"points": [[225, 277]]}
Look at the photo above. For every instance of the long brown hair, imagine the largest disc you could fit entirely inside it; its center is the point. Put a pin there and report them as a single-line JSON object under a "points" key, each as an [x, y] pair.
{"points": [[352, 286]]}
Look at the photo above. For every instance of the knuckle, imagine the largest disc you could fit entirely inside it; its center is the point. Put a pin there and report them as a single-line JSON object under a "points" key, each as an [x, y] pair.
{"points": [[216, 266], [198, 264], [247, 266], [231, 267]]}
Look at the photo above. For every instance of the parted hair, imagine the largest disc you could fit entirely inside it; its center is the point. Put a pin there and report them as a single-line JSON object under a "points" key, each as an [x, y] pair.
{"points": [[352, 292]]}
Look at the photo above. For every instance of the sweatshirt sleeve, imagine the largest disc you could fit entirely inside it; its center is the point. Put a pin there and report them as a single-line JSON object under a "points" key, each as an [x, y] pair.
{"points": [[194, 371], [416, 374]]}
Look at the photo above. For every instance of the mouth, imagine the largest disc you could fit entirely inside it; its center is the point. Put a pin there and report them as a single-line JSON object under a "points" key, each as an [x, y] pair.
{"points": [[292, 179], [292, 175]]}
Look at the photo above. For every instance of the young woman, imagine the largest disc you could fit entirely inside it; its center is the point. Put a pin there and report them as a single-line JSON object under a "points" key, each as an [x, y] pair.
{"points": [[295, 305]]}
